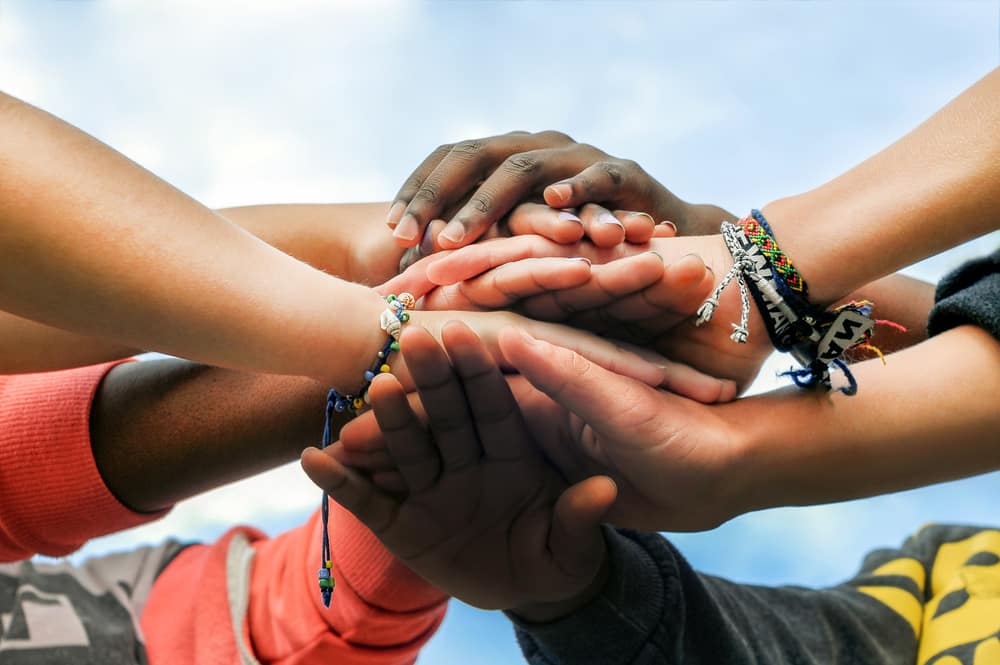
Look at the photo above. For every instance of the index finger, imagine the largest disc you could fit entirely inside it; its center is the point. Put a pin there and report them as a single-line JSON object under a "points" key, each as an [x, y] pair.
{"points": [[480, 257]]}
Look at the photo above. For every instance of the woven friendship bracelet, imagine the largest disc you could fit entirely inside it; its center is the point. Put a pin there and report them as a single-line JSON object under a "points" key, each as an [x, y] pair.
{"points": [[391, 321], [815, 338], [756, 228]]}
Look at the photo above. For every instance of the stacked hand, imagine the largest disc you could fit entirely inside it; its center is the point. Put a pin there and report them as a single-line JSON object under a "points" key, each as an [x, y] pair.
{"points": [[481, 514], [656, 316], [672, 458]]}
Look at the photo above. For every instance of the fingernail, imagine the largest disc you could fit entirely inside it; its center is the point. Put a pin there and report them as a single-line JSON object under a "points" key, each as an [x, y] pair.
{"points": [[641, 214], [608, 218], [407, 229], [668, 223], [653, 251], [395, 212], [427, 243], [454, 232], [562, 190], [568, 216], [580, 258]]}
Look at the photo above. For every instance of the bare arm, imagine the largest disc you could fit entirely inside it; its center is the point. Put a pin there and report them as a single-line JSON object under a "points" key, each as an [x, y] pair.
{"points": [[165, 430], [345, 240], [931, 190], [927, 417], [97, 245], [348, 240]]}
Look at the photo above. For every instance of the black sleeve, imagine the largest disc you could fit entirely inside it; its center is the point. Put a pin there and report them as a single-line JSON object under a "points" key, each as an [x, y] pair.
{"points": [[971, 294], [656, 609]]}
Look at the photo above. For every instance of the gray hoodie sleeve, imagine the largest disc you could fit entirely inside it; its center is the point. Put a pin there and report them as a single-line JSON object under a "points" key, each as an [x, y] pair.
{"points": [[971, 294], [656, 609]]}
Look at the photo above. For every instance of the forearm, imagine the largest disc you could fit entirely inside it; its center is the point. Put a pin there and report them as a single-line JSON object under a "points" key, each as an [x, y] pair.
{"points": [[106, 249], [349, 240], [27, 346], [928, 416], [165, 430], [902, 300], [933, 189]]}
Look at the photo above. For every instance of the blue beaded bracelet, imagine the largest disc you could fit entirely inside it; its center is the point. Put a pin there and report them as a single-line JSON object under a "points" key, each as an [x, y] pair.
{"points": [[391, 321]]}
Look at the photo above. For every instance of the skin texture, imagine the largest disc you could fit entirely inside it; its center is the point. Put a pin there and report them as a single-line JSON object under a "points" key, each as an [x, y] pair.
{"points": [[677, 464], [931, 190], [165, 430], [110, 237], [460, 190], [483, 515]]}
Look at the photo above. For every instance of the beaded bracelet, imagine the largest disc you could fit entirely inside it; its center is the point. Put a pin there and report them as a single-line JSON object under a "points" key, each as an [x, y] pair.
{"points": [[816, 338], [391, 321]]}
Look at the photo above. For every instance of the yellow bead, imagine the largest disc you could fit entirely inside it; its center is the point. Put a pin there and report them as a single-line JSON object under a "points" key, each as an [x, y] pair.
{"points": [[329, 563], [358, 402], [385, 369]]}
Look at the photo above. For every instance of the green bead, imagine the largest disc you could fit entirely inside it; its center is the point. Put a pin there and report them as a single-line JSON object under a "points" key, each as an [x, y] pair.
{"points": [[404, 317], [394, 346], [390, 297], [326, 584]]}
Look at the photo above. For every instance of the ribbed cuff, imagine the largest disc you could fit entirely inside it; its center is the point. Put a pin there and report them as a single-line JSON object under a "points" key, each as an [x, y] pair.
{"points": [[52, 497], [615, 624]]}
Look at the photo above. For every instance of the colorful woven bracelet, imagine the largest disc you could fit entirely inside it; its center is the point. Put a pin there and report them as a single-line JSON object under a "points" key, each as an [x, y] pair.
{"points": [[756, 228], [816, 338], [391, 321]]}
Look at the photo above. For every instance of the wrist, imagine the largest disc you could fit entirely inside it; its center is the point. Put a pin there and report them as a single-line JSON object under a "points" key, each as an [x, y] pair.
{"points": [[365, 343], [770, 448], [807, 231], [374, 257], [701, 219]]}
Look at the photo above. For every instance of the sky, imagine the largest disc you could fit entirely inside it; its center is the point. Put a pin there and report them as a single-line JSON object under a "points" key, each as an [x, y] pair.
{"points": [[729, 102]]}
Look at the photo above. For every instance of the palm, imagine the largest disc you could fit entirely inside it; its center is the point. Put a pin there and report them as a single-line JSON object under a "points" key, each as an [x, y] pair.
{"points": [[478, 512], [457, 531], [663, 454]]}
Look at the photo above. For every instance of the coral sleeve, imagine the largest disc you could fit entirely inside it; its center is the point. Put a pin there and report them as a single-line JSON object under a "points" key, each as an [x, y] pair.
{"points": [[248, 599], [52, 496]]}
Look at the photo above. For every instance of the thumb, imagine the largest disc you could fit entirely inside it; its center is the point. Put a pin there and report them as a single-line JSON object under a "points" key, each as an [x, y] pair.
{"points": [[585, 388], [414, 279], [575, 538]]}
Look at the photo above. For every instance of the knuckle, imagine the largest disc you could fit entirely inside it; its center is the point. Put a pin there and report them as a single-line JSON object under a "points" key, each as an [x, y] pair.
{"points": [[579, 365], [585, 183], [613, 171], [556, 137], [524, 163], [631, 165], [482, 202], [413, 183], [427, 192], [469, 148]]}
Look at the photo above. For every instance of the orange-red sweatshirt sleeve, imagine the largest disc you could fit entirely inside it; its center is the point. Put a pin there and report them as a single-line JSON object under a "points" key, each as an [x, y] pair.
{"points": [[247, 599], [52, 497]]}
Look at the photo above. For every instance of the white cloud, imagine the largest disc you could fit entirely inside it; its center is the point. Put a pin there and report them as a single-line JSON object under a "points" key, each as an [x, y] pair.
{"points": [[18, 75]]}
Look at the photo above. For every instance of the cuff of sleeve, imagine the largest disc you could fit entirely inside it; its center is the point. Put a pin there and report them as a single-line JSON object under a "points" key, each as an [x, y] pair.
{"points": [[616, 624], [372, 571], [975, 304], [53, 496]]}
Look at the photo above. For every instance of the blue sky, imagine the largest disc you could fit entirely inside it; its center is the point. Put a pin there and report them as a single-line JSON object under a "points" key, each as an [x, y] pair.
{"points": [[733, 103]]}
